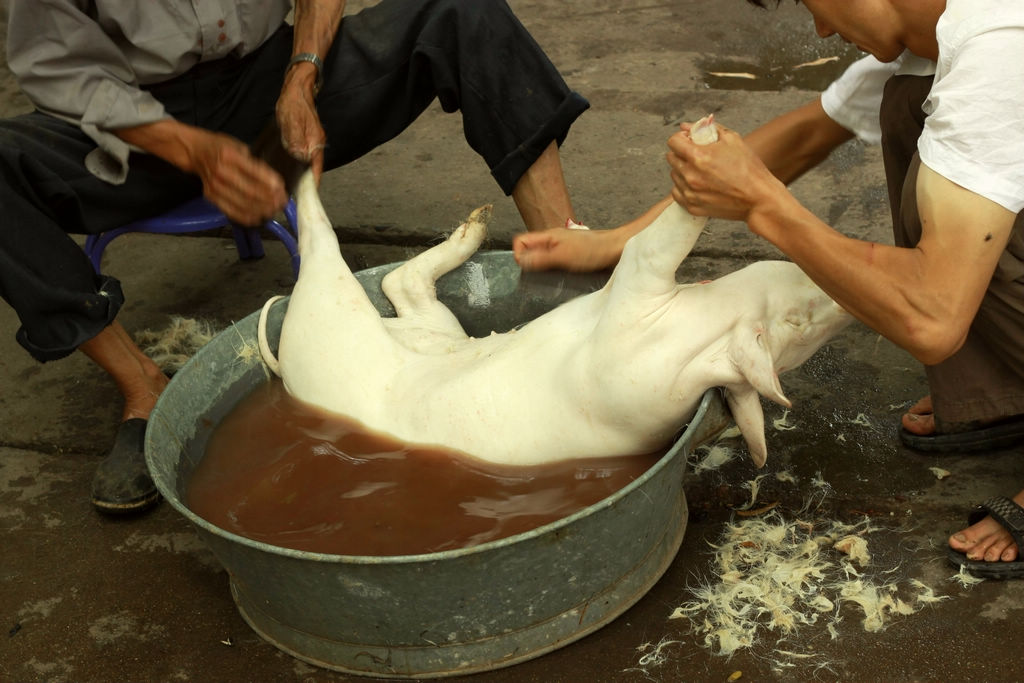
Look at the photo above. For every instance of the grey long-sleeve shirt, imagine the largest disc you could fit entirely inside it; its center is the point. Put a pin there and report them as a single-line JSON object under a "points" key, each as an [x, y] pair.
{"points": [[85, 60]]}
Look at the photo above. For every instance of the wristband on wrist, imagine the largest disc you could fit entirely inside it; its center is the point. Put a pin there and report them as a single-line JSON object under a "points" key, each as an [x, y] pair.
{"points": [[315, 61]]}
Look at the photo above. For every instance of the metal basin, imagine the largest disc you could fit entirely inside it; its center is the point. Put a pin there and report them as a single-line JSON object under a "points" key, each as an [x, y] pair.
{"points": [[439, 614]]}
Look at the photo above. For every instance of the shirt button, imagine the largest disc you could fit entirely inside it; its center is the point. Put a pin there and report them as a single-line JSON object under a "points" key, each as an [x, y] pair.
{"points": [[222, 37], [220, 23]]}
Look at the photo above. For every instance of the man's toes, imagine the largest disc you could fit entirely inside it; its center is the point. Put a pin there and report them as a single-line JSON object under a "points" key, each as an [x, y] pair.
{"points": [[976, 551], [994, 552], [922, 407], [542, 257], [979, 553], [973, 542], [527, 260], [922, 425], [986, 541], [960, 542]]}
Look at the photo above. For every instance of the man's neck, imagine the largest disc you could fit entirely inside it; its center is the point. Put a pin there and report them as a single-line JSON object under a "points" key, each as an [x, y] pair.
{"points": [[920, 17]]}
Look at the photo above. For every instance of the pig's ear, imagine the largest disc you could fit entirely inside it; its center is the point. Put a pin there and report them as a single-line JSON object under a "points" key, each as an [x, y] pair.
{"points": [[745, 406], [749, 353]]}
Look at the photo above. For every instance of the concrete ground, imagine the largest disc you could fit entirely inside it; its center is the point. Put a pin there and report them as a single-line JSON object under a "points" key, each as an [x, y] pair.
{"points": [[88, 598]]}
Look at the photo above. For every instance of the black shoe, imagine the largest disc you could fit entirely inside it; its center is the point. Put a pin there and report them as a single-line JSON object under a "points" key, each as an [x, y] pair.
{"points": [[122, 484]]}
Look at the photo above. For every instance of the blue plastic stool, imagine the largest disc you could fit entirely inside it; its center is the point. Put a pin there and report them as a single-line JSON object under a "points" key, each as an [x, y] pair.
{"points": [[199, 214]]}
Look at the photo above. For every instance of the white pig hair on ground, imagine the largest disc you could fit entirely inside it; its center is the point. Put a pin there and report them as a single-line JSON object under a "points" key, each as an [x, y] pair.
{"points": [[654, 655], [776, 585], [772, 576], [171, 347], [713, 456]]}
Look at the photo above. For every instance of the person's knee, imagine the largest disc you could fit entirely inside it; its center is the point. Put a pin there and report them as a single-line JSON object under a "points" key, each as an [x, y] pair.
{"points": [[473, 13], [469, 7]]}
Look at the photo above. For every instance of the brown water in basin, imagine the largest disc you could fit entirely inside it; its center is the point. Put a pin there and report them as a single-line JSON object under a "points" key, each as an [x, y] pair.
{"points": [[288, 474]]}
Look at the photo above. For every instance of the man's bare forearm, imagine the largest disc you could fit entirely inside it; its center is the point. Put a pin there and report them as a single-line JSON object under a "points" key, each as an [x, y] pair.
{"points": [[903, 293], [169, 139], [797, 141], [316, 24], [316, 27], [246, 189]]}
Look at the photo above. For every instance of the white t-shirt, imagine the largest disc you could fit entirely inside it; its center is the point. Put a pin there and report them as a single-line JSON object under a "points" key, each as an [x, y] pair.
{"points": [[974, 133], [854, 99]]}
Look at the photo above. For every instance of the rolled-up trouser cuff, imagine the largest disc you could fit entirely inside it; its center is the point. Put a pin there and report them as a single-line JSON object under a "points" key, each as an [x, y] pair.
{"points": [[55, 337], [508, 172]]}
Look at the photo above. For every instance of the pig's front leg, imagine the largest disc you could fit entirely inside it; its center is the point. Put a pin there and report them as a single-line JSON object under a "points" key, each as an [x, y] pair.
{"points": [[652, 256]]}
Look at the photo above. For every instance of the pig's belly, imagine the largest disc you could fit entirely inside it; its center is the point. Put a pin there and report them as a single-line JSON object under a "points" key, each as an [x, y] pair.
{"points": [[521, 397], [515, 398]]}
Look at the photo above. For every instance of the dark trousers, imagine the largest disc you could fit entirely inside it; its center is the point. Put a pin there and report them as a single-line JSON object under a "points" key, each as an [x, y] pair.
{"points": [[985, 379], [386, 66]]}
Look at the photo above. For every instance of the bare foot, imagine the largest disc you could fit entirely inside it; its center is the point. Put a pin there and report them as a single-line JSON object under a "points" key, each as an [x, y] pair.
{"points": [[567, 249], [920, 418], [987, 540], [139, 379], [140, 396]]}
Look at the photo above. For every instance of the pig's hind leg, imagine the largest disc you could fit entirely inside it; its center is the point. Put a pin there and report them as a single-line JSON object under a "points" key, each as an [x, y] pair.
{"points": [[410, 287]]}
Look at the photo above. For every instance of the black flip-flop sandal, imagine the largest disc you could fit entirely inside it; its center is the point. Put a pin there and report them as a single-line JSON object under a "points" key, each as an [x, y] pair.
{"points": [[1005, 434], [1011, 517]]}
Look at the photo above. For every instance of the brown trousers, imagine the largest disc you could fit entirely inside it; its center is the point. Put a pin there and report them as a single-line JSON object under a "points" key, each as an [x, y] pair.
{"points": [[985, 379]]}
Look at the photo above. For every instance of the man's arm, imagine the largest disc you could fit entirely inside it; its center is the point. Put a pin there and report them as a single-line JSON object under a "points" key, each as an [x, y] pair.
{"points": [[789, 145], [316, 24], [795, 142], [70, 68], [245, 188], [923, 298]]}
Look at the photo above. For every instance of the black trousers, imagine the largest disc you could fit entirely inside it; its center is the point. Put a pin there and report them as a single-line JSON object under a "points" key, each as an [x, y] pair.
{"points": [[386, 66], [984, 380]]}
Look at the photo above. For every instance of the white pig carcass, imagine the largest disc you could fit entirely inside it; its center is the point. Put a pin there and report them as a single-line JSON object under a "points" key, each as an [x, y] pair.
{"points": [[615, 372]]}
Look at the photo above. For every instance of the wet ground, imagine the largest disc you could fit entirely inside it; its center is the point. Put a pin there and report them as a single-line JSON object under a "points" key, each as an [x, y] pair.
{"points": [[89, 598]]}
